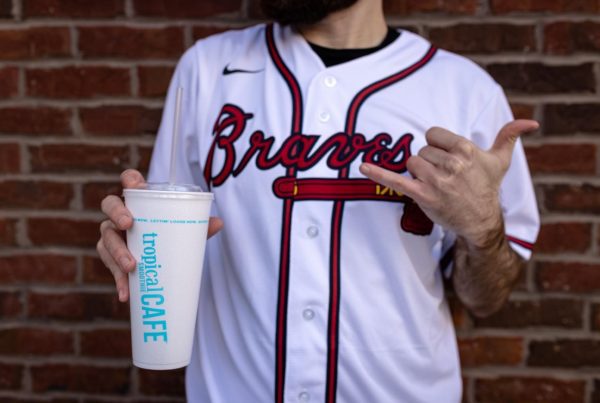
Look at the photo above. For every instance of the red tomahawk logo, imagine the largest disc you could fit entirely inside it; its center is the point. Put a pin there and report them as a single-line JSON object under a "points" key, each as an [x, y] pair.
{"points": [[413, 219]]}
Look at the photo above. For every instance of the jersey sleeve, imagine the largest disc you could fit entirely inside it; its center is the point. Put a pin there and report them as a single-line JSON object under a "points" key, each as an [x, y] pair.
{"points": [[187, 155], [517, 197]]}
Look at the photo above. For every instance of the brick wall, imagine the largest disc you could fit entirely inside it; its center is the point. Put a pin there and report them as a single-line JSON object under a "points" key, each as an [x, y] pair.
{"points": [[81, 88]]}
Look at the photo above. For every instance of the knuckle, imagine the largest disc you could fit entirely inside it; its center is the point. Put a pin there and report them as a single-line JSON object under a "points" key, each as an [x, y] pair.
{"points": [[466, 148], [454, 165]]}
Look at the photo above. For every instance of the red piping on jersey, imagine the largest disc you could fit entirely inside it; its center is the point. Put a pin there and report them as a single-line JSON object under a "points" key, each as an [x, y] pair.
{"points": [[520, 242], [284, 262], [336, 226]]}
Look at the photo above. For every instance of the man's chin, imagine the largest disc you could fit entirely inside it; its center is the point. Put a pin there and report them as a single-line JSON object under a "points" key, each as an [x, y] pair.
{"points": [[305, 12]]}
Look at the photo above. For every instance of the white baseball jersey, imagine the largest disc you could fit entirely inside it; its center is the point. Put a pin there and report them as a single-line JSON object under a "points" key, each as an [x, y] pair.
{"points": [[324, 286]]}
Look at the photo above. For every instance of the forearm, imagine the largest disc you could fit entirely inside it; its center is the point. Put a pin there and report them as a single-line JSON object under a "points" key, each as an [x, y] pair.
{"points": [[485, 272]]}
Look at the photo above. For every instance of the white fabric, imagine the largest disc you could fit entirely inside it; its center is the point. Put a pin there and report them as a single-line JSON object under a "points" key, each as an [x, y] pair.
{"points": [[396, 339]]}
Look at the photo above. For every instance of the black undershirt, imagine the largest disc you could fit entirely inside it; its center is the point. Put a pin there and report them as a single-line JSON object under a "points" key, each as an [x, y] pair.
{"points": [[331, 56]]}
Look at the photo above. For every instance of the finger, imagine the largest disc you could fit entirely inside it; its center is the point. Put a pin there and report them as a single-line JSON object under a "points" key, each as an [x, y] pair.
{"points": [[116, 211], [442, 138], [505, 140], [434, 155], [214, 225], [132, 179], [121, 279], [400, 183], [423, 170], [116, 247]]}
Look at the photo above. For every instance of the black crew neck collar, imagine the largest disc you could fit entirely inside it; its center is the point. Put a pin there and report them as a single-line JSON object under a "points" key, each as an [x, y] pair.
{"points": [[331, 56]]}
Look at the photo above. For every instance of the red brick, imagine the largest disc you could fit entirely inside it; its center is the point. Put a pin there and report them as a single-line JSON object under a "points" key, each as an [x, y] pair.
{"points": [[115, 120], [563, 313], [484, 38], [31, 120], [573, 118], [10, 305], [145, 157], [78, 82], [106, 343], [481, 351], [185, 8], [76, 306], [79, 158], [595, 317], [529, 390], [562, 158], [9, 82], [564, 237], [568, 37], [568, 276], [11, 376], [80, 378], [73, 8], [95, 272], [5, 8], [572, 199], [44, 268], [544, 79], [544, 6], [35, 43], [162, 383], [35, 341], [154, 80], [404, 7], [10, 158], [596, 393], [63, 232], [200, 32], [94, 192], [564, 353], [522, 111], [131, 43], [8, 231], [32, 194]]}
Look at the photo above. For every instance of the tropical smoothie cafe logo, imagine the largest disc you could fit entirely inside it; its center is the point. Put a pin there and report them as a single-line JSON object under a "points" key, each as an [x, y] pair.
{"points": [[151, 292]]}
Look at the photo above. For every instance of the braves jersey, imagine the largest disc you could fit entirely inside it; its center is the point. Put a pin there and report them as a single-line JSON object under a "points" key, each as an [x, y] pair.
{"points": [[324, 286]]}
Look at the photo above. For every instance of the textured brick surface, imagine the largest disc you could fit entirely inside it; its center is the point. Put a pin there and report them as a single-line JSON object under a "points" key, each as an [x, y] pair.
{"points": [[81, 90]]}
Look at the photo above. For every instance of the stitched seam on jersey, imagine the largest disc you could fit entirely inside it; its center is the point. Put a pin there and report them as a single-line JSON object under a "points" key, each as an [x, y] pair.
{"points": [[336, 225], [283, 286]]}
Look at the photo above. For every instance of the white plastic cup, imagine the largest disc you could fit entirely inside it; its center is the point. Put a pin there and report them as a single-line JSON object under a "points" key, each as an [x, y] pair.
{"points": [[167, 240]]}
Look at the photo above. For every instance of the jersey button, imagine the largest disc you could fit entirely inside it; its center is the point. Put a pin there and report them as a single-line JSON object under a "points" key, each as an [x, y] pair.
{"points": [[303, 397], [330, 81], [312, 231], [308, 314], [324, 117]]}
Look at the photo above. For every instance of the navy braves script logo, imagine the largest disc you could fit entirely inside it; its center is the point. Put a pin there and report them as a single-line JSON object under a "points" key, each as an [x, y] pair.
{"points": [[299, 152]]}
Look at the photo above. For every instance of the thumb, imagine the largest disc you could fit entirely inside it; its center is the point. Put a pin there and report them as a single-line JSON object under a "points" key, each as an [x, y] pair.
{"points": [[132, 179], [505, 140]]}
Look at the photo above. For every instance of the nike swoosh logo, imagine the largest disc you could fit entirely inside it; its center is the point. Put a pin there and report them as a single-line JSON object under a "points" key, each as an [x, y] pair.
{"points": [[227, 71]]}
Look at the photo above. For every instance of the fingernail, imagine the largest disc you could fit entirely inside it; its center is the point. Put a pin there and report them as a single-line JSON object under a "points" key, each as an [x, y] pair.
{"points": [[121, 294], [123, 221], [365, 168], [125, 262]]}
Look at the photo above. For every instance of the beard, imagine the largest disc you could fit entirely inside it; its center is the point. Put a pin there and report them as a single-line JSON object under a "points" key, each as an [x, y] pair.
{"points": [[301, 11]]}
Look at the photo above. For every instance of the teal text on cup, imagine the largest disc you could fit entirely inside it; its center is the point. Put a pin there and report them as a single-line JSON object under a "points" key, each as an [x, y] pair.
{"points": [[151, 291]]}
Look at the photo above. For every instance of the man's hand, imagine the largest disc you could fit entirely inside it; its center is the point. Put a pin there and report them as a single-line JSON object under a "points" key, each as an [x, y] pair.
{"points": [[111, 246], [456, 183]]}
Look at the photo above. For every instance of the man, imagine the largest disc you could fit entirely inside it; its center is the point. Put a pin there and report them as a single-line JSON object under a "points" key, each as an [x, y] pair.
{"points": [[351, 164]]}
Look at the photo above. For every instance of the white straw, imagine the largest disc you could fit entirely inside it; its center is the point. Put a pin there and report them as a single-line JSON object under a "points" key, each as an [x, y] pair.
{"points": [[173, 171]]}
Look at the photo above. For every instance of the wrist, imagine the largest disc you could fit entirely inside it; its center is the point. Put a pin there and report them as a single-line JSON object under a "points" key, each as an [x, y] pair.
{"points": [[486, 233]]}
